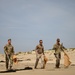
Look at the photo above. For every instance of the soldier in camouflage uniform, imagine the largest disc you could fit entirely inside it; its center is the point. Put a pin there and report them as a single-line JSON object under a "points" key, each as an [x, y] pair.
{"points": [[58, 48], [9, 52], [39, 54]]}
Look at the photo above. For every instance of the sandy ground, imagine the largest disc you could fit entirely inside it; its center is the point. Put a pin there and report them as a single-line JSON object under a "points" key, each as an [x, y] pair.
{"points": [[49, 70], [26, 60]]}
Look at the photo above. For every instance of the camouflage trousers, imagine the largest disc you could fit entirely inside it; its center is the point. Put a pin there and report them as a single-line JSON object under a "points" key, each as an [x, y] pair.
{"points": [[58, 57], [9, 61], [39, 56]]}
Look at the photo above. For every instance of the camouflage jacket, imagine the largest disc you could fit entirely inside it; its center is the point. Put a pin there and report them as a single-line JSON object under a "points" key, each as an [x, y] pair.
{"points": [[8, 49]]}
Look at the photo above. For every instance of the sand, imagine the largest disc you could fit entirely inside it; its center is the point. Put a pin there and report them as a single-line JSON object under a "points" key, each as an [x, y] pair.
{"points": [[28, 59]]}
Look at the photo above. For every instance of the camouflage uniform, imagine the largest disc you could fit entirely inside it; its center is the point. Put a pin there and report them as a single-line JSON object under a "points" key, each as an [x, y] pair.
{"points": [[39, 54], [9, 51], [58, 49]]}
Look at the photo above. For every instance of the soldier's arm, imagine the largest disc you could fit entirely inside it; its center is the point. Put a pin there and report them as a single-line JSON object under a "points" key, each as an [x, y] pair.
{"points": [[5, 49], [36, 49], [43, 50], [13, 50], [62, 47], [54, 47]]}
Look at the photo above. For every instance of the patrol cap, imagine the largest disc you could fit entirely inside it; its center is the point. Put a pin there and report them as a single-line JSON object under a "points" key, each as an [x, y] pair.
{"points": [[9, 39], [58, 39]]}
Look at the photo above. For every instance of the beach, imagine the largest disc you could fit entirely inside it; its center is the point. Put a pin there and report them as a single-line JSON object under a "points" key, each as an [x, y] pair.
{"points": [[27, 59]]}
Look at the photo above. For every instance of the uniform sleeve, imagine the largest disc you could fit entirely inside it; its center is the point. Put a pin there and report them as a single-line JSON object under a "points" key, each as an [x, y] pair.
{"points": [[36, 49], [54, 47], [62, 47], [43, 50], [13, 50], [5, 49]]}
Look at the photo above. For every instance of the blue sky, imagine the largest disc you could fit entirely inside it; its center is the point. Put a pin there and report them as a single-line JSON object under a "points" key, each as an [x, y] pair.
{"points": [[28, 21]]}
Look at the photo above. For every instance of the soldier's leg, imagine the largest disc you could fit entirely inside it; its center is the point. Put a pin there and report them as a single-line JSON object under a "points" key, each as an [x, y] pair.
{"points": [[7, 62], [57, 60], [42, 61], [11, 61], [37, 60], [57, 63]]}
